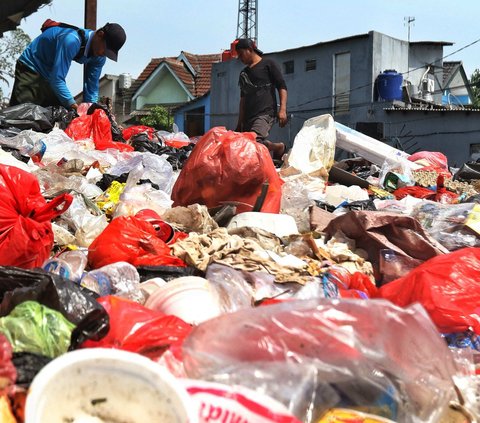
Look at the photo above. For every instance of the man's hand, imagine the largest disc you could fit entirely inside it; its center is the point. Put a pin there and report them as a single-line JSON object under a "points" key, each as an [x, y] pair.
{"points": [[282, 118], [74, 106]]}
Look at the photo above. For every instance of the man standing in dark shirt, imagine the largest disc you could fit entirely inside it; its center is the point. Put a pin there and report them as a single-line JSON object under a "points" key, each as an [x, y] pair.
{"points": [[258, 102]]}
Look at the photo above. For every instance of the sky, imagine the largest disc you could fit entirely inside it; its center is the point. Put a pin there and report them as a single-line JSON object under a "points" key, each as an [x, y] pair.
{"points": [[160, 28]]}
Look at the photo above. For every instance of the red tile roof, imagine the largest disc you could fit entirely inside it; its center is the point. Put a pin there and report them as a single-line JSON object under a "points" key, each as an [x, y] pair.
{"points": [[198, 84]]}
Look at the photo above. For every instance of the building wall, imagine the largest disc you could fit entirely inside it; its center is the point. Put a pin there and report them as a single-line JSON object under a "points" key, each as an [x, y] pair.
{"points": [[164, 89], [450, 132], [179, 117], [310, 93]]}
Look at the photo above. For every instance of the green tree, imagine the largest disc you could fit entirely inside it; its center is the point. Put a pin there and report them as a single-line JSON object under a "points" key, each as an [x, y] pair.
{"points": [[159, 118], [12, 45], [475, 87]]}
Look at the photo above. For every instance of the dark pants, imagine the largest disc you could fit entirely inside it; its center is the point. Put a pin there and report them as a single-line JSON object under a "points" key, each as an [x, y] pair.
{"points": [[30, 87], [261, 125]]}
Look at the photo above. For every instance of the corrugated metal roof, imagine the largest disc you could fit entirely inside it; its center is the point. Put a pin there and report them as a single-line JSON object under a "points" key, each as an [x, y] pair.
{"points": [[424, 109], [13, 11]]}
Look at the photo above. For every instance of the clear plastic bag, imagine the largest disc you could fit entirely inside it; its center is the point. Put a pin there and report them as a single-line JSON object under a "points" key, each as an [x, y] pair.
{"points": [[446, 223], [234, 292], [315, 354]]}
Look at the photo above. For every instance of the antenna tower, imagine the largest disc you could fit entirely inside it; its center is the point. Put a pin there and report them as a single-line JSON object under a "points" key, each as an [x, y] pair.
{"points": [[247, 19], [408, 21]]}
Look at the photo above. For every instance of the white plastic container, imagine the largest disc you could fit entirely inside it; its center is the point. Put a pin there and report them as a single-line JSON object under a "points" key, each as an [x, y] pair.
{"points": [[102, 385], [190, 298], [278, 224]]}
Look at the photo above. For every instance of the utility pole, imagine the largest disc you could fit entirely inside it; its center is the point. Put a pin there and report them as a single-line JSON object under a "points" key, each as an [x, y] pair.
{"points": [[408, 21], [90, 22], [247, 19], [91, 14]]}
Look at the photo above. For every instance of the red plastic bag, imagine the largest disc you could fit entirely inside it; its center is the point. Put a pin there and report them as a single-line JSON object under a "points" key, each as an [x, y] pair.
{"points": [[448, 286], [136, 328], [96, 126], [132, 240], [129, 132], [227, 166], [26, 237]]}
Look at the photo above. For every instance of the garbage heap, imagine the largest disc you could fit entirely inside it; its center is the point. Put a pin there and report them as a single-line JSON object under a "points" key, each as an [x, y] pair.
{"points": [[146, 276]]}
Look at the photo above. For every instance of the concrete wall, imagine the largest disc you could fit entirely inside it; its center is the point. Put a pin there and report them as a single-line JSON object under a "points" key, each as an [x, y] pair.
{"points": [[450, 132]]}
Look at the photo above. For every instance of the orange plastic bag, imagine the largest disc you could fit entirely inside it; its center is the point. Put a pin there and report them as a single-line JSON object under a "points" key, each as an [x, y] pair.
{"points": [[26, 236], [227, 166], [132, 240]]}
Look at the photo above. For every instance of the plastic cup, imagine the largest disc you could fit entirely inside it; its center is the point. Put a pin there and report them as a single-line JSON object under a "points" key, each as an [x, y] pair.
{"points": [[101, 384]]}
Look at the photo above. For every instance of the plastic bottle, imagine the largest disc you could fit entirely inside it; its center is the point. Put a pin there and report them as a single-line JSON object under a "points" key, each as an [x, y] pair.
{"points": [[119, 278], [35, 151], [69, 265]]}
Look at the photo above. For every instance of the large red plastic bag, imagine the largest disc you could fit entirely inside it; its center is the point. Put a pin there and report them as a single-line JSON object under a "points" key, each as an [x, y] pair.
{"points": [[136, 328], [26, 236], [316, 354], [131, 131], [98, 127], [448, 286], [130, 239], [227, 166]]}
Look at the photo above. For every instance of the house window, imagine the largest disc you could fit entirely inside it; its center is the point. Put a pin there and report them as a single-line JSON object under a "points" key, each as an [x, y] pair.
{"points": [[310, 65], [341, 82], [288, 67]]}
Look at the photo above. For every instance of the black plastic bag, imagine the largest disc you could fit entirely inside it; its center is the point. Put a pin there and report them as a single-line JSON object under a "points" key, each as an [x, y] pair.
{"points": [[26, 116], [467, 172], [107, 180], [27, 366], [175, 156], [62, 116], [167, 273], [75, 303]]}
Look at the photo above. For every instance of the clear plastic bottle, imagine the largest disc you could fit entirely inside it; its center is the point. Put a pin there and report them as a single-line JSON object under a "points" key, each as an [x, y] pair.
{"points": [[69, 265], [119, 278], [35, 151]]}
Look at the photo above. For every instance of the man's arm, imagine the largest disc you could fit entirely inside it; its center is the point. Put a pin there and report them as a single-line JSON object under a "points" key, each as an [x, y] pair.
{"points": [[241, 114], [282, 111], [63, 59], [93, 70]]}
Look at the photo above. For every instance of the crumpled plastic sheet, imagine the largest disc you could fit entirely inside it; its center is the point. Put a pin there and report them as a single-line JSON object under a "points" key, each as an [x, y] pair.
{"points": [[315, 354]]}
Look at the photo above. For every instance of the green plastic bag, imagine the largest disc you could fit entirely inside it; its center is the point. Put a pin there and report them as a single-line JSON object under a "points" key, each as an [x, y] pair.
{"points": [[32, 327]]}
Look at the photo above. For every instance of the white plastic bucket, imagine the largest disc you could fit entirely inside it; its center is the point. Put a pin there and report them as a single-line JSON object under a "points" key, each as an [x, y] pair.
{"points": [[100, 384], [190, 298]]}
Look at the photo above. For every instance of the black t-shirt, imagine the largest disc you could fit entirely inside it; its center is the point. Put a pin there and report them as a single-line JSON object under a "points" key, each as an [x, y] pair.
{"points": [[258, 85]]}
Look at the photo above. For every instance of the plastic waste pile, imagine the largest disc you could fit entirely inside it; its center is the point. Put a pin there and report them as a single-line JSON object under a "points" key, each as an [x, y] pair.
{"points": [[146, 276]]}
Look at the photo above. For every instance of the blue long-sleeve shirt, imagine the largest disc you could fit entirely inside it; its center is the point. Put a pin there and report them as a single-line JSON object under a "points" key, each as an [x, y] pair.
{"points": [[51, 54]]}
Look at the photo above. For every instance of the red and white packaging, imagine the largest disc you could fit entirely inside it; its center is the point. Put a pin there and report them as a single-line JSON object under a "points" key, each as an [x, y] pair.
{"points": [[234, 404]]}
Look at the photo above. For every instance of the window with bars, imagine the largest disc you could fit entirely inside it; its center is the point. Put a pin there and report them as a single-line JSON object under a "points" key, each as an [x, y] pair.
{"points": [[310, 64]]}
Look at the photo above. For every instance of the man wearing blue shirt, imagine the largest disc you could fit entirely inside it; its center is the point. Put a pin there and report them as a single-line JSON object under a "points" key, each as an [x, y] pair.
{"points": [[43, 66]]}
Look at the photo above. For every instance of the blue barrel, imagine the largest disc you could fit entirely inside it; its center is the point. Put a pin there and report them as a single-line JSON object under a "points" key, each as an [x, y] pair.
{"points": [[389, 85]]}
